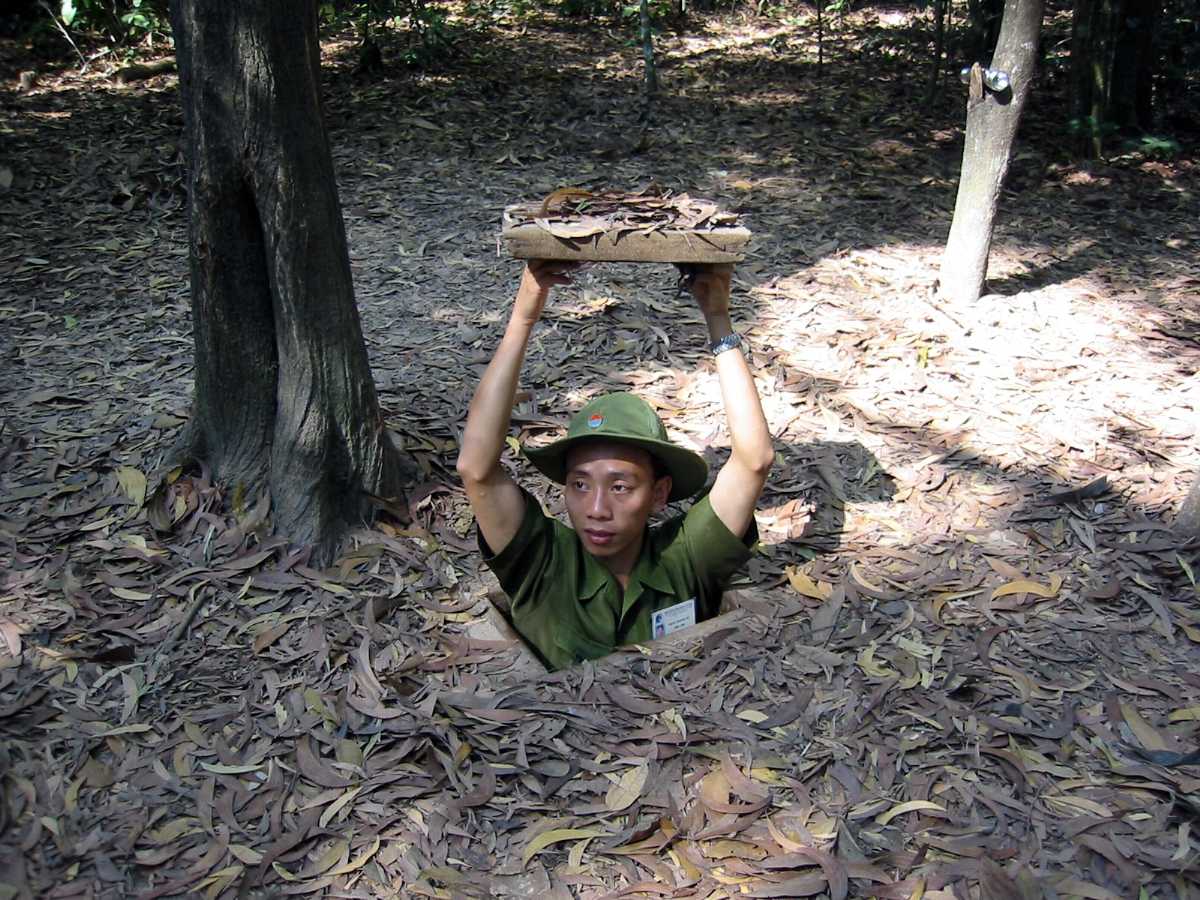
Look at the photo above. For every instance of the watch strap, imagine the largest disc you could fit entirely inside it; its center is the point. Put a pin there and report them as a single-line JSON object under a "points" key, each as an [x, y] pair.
{"points": [[729, 342]]}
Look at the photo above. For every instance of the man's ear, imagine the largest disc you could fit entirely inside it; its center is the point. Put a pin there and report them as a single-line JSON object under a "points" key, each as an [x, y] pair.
{"points": [[662, 490]]}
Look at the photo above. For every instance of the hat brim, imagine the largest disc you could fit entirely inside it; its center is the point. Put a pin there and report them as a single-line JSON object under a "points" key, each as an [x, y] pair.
{"points": [[688, 470]]}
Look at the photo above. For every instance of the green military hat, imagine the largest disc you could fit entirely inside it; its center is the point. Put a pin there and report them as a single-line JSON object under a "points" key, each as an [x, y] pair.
{"points": [[626, 419]]}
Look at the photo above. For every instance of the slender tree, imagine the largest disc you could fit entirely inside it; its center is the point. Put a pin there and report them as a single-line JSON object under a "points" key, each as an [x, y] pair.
{"points": [[1091, 71], [820, 38], [651, 79], [1113, 63], [983, 28], [992, 119], [284, 401], [939, 46], [1134, 65], [1187, 523]]}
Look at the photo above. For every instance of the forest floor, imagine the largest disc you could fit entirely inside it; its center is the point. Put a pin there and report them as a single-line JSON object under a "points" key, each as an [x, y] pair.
{"points": [[977, 672]]}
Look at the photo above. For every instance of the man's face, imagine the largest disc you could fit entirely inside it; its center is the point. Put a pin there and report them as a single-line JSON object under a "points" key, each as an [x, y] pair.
{"points": [[610, 492]]}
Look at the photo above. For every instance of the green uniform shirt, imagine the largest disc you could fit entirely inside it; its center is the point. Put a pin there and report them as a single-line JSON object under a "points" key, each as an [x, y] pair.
{"points": [[571, 608]]}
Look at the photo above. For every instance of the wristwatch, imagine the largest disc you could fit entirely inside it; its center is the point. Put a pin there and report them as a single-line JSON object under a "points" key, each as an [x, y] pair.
{"points": [[729, 342]]}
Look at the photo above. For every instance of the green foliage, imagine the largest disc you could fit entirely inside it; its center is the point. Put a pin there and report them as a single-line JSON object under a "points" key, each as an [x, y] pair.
{"points": [[430, 25], [333, 13], [1090, 127], [1150, 146], [517, 9], [430, 33], [589, 9], [141, 18], [117, 22], [659, 10], [671, 11], [1155, 146]]}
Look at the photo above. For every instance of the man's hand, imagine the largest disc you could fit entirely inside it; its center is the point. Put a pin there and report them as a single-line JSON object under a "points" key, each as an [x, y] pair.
{"points": [[709, 284], [539, 276]]}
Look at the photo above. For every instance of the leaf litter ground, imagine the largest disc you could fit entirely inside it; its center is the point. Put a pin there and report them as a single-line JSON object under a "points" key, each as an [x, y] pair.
{"points": [[972, 665]]}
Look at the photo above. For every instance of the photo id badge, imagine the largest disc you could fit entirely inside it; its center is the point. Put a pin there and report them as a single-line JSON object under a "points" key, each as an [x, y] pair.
{"points": [[673, 618]]}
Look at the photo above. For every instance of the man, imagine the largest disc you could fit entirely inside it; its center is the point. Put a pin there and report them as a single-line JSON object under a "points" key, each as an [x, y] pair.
{"points": [[578, 594]]}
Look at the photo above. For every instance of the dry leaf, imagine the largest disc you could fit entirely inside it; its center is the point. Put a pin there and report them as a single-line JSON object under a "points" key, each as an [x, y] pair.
{"points": [[908, 806], [802, 584], [553, 836], [628, 788], [246, 854], [133, 484], [1024, 586], [1187, 714], [359, 861], [1147, 736], [866, 662]]}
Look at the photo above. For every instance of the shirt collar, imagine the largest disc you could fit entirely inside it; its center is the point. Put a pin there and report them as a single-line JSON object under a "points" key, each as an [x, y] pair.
{"points": [[594, 577], [646, 572]]}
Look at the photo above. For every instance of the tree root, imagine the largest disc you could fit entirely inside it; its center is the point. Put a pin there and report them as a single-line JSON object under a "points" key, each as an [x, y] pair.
{"points": [[142, 71]]}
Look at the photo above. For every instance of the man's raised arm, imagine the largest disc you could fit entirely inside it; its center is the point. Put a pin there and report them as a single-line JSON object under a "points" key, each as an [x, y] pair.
{"points": [[741, 479], [495, 498]]}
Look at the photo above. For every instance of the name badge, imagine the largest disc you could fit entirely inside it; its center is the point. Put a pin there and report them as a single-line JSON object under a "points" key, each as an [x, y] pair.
{"points": [[673, 618]]}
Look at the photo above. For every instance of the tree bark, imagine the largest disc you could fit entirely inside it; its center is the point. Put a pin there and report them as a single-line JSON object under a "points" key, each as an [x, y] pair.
{"points": [[1083, 18], [1131, 85], [939, 47], [1187, 523], [820, 39], [1112, 69], [284, 400], [983, 20], [651, 80], [992, 120], [1092, 26]]}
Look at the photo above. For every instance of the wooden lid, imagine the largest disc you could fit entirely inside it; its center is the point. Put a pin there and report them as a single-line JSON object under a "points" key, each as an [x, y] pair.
{"points": [[617, 227]]}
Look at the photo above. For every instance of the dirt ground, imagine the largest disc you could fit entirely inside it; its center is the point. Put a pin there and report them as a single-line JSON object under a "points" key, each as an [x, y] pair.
{"points": [[971, 668]]}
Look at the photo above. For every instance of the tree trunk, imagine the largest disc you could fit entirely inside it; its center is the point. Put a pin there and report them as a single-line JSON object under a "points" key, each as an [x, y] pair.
{"points": [[651, 82], [1099, 66], [820, 39], [1131, 85], [1112, 69], [939, 47], [1187, 523], [992, 120], [284, 401], [983, 20], [1178, 56], [1082, 25]]}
